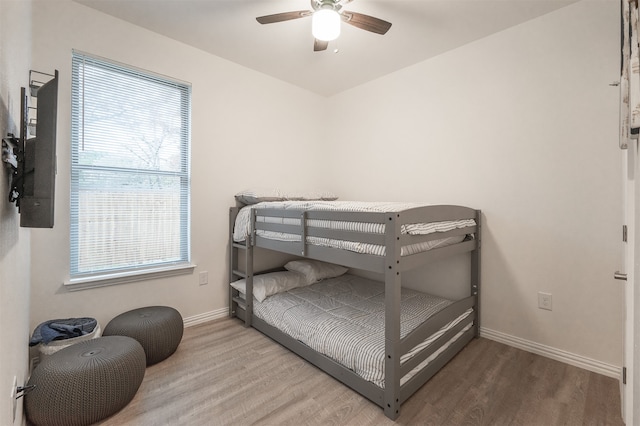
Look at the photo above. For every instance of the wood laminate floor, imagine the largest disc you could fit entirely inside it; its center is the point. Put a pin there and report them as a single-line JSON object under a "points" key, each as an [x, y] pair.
{"points": [[225, 374]]}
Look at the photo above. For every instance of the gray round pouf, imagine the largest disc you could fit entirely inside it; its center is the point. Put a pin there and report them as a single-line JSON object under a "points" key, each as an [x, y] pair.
{"points": [[158, 329], [85, 382]]}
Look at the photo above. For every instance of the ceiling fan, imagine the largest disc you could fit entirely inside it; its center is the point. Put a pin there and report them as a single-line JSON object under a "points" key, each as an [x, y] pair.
{"points": [[326, 17]]}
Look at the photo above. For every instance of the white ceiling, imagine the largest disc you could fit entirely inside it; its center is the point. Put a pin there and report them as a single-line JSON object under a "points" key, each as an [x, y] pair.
{"points": [[421, 29]]}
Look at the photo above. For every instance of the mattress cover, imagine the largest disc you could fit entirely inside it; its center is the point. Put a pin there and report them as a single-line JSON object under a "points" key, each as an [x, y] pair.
{"points": [[343, 318], [242, 226]]}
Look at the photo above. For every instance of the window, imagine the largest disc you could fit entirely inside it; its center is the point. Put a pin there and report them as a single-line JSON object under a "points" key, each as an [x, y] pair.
{"points": [[130, 179]]}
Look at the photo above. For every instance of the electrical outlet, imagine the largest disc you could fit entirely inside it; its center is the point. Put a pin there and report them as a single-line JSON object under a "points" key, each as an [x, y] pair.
{"points": [[203, 278], [14, 400], [545, 300]]}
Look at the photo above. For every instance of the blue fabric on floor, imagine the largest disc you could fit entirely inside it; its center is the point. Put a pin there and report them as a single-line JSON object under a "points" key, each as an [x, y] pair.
{"points": [[60, 329]]}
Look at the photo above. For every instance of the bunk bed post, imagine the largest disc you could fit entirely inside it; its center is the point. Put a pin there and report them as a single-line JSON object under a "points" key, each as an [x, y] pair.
{"points": [[475, 270], [392, 282], [303, 234]]}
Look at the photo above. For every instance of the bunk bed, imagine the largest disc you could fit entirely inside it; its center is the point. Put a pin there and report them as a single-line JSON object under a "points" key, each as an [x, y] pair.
{"points": [[384, 238]]}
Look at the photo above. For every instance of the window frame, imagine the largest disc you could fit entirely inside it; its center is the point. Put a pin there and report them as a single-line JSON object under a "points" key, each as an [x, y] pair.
{"points": [[81, 280]]}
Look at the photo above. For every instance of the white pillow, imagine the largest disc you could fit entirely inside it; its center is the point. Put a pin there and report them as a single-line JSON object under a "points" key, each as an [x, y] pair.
{"points": [[311, 196], [315, 270], [265, 285], [258, 195]]}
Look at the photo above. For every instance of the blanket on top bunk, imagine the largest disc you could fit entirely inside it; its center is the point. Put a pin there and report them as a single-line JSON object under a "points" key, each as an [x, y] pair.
{"points": [[243, 224], [343, 318]]}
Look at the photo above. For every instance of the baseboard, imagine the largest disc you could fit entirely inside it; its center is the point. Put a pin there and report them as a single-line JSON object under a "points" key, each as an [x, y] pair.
{"points": [[205, 317], [554, 353]]}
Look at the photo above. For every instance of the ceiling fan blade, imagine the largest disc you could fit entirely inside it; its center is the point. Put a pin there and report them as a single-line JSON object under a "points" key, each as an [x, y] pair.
{"points": [[319, 45], [366, 22], [286, 16]]}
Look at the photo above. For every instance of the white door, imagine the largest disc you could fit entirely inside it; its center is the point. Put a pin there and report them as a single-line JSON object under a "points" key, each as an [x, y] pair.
{"points": [[631, 390], [629, 130]]}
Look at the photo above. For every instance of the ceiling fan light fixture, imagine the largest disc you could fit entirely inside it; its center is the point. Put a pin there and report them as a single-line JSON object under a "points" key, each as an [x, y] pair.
{"points": [[325, 24]]}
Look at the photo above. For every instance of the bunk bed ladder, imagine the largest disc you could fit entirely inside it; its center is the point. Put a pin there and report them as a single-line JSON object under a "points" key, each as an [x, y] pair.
{"points": [[236, 273]]}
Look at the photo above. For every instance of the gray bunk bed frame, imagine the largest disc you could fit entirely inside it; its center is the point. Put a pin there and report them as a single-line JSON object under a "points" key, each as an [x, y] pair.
{"points": [[392, 265]]}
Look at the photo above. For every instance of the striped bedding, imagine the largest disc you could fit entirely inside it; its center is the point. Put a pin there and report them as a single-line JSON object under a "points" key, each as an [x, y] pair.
{"points": [[343, 318], [243, 224]]}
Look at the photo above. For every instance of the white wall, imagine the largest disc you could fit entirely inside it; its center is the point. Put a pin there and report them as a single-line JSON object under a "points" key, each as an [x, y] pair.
{"points": [[232, 107], [523, 125], [15, 57]]}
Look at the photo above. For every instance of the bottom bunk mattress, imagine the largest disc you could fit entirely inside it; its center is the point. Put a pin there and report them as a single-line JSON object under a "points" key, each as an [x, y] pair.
{"points": [[343, 319]]}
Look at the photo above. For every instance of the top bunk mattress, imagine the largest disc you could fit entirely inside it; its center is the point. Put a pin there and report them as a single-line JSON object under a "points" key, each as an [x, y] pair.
{"points": [[242, 228]]}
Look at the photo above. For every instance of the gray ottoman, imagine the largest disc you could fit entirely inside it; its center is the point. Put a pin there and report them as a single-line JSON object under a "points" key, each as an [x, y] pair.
{"points": [[86, 382], [158, 329]]}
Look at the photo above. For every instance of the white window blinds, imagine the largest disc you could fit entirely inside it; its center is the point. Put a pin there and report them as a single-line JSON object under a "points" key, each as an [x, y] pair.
{"points": [[129, 169]]}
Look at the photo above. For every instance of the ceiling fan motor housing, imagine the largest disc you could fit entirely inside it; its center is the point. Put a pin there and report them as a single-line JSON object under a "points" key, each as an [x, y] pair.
{"points": [[326, 4]]}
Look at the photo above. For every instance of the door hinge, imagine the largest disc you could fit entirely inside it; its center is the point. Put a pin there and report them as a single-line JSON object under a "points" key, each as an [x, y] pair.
{"points": [[624, 375], [624, 233]]}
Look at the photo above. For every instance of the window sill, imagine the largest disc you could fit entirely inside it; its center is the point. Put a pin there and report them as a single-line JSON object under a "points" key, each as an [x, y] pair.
{"points": [[94, 281]]}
